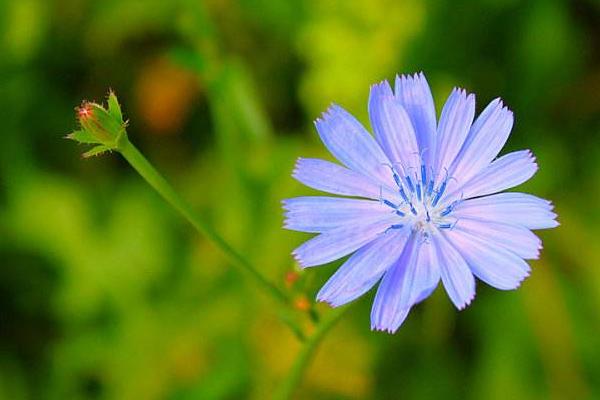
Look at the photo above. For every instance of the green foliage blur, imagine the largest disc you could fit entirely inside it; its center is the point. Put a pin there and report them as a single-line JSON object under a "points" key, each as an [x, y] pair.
{"points": [[106, 293]]}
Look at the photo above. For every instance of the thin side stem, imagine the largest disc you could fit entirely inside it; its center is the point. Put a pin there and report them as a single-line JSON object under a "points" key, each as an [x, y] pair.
{"points": [[292, 380], [151, 175]]}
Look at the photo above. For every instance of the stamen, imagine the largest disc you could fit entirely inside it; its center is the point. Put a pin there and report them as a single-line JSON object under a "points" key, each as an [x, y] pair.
{"points": [[394, 174], [439, 193], [423, 175], [389, 204], [397, 178], [404, 196], [448, 225], [395, 226], [410, 184], [419, 191], [400, 213], [430, 188], [412, 209], [447, 210]]}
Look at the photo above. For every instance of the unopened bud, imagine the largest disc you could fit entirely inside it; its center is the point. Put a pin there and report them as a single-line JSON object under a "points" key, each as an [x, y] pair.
{"points": [[101, 126], [290, 278], [301, 303]]}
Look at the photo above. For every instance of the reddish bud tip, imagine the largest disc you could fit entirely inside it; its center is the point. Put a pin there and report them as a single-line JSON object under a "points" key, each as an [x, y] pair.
{"points": [[301, 303], [85, 111], [290, 278]]}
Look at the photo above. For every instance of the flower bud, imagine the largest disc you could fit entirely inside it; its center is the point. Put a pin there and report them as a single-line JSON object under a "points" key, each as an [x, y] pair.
{"points": [[101, 126]]}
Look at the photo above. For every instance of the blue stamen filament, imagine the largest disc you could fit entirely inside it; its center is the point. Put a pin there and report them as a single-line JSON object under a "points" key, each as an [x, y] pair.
{"points": [[390, 204], [397, 179], [395, 226], [439, 193], [430, 188], [409, 183], [403, 194], [446, 211], [421, 198]]}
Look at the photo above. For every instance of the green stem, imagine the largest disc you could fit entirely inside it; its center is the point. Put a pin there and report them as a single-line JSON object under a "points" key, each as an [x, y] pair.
{"points": [[292, 380], [149, 173]]}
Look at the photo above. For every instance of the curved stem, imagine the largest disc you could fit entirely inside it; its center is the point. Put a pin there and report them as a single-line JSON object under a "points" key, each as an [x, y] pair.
{"points": [[292, 380], [151, 175]]}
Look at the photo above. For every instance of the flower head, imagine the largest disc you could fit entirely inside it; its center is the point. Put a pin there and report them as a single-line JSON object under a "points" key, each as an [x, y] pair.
{"points": [[424, 202]]}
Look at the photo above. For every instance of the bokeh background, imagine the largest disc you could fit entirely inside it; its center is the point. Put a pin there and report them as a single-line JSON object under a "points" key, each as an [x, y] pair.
{"points": [[106, 293]]}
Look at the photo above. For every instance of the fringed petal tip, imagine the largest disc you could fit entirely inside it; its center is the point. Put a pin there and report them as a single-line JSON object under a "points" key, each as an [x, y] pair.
{"points": [[286, 212], [389, 324], [418, 77], [414, 86], [533, 160], [552, 216], [462, 92], [332, 111], [382, 88], [284, 204], [467, 302], [529, 154], [329, 301], [297, 166], [518, 283], [498, 103], [386, 329], [299, 260]]}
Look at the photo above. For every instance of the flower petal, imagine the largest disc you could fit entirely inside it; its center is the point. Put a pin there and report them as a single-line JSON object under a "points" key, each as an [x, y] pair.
{"points": [[396, 290], [507, 171], [339, 242], [485, 140], [513, 208], [352, 145], [332, 178], [392, 127], [320, 214], [363, 269], [410, 280], [415, 96], [455, 122], [427, 275], [514, 238], [454, 271], [493, 264]]}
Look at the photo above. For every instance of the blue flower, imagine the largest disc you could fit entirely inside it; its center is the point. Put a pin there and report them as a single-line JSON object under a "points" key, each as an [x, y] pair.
{"points": [[423, 205]]}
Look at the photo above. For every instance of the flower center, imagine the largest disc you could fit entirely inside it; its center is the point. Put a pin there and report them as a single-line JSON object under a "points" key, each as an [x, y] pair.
{"points": [[420, 208]]}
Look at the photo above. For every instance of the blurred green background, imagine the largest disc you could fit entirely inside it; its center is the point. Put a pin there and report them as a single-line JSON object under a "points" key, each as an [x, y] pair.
{"points": [[106, 293]]}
